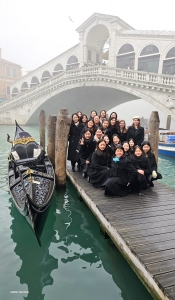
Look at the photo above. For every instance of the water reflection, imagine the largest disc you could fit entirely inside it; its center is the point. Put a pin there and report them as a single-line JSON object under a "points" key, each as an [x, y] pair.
{"points": [[37, 263]]}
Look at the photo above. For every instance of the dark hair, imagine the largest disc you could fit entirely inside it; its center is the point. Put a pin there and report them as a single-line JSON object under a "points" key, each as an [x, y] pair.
{"points": [[101, 112], [146, 143], [115, 135], [138, 147], [99, 152], [75, 114], [113, 113], [119, 146], [105, 120], [92, 111], [131, 140], [84, 116], [125, 130]]}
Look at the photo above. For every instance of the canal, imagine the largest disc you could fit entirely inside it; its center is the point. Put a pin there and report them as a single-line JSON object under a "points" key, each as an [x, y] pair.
{"points": [[75, 262]]}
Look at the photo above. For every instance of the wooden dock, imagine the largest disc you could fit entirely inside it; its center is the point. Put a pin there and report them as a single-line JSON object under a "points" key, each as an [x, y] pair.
{"points": [[142, 228]]}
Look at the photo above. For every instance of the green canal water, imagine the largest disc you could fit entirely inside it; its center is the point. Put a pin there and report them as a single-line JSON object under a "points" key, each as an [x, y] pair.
{"points": [[74, 262]]}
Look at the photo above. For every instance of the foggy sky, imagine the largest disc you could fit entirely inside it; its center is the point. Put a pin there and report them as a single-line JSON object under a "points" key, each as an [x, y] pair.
{"points": [[33, 32]]}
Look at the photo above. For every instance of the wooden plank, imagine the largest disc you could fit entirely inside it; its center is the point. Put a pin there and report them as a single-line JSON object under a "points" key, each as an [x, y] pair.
{"points": [[171, 291], [141, 227], [157, 256], [162, 267], [166, 279]]}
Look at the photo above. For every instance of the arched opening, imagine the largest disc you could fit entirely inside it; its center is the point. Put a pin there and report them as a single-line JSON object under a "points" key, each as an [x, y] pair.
{"points": [[58, 68], [72, 63], [169, 62], [34, 81], [24, 86], [97, 46], [126, 57], [45, 76], [149, 59], [15, 92]]}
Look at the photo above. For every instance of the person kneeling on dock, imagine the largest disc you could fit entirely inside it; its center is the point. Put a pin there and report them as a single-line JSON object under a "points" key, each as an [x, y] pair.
{"points": [[99, 169], [143, 167], [123, 173], [146, 147]]}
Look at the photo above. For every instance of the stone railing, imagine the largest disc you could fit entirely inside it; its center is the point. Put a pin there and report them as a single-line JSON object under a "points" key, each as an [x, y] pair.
{"points": [[121, 75]]}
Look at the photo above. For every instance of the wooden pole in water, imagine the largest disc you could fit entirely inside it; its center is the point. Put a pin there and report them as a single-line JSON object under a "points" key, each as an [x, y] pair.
{"points": [[153, 135], [42, 126], [168, 122], [61, 142], [51, 129]]}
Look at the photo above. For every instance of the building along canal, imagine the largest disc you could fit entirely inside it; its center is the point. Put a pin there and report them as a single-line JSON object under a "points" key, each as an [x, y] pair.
{"points": [[74, 262]]}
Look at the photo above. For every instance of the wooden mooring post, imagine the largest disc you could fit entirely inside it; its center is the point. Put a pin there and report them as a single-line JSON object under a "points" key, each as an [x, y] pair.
{"points": [[51, 130], [153, 134], [61, 142], [42, 126]]}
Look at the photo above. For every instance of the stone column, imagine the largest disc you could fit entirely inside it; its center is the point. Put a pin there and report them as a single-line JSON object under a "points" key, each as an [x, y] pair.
{"points": [[160, 68], [81, 55], [61, 142], [112, 56], [153, 135]]}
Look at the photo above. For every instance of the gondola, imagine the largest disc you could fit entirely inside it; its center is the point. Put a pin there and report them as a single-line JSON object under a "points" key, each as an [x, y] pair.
{"points": [[31, 180]]}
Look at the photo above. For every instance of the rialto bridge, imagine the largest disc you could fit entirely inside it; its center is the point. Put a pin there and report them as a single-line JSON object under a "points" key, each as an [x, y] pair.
{"points": [[112, 64]]}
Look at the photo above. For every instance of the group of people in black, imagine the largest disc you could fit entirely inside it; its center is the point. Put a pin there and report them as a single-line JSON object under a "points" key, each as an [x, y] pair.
{"points": [[111, 156]]}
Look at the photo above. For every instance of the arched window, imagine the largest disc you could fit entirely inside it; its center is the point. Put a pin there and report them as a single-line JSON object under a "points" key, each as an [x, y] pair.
{"points": [[169, 62], [72, 63], [45, 75], [149, 59], [126, 48], [15, 92], [171, 53], [126, 57], [34, 81], [58, 68], [24, 86], [150, 49]]}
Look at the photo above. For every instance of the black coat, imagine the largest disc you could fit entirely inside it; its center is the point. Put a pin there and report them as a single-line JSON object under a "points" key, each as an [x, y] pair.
{"points": [[86, 150], [122, 173], [108, 133], [122, 136], [142, 163], [136, 135], [152, 161], [99, 169], [74, 136]]}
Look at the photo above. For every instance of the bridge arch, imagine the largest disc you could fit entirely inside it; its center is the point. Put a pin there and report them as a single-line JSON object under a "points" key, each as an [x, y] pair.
{"points": [[34, 81], [15, 92], [68, 97], [169, 62], [24, 86], [46, 75], [97, 44], [125, 58], [58, 68], [149, 59]]}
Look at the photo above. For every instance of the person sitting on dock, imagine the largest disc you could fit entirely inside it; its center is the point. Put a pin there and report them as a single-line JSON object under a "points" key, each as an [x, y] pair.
{"points": [[99, 169], [146, 147], [123, 174]]}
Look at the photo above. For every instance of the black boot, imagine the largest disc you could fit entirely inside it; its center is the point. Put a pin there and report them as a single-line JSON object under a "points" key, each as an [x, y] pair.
{"points": [[73, 169]]}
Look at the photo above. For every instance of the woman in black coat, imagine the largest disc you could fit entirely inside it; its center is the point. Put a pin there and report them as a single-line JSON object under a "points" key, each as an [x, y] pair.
{"points": [[143, 167], [90, 126], [136, 132], [74, 135], [123, 173], [122, 131], [87, 147], [99, 169], [113, 126], [146, 147]]}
